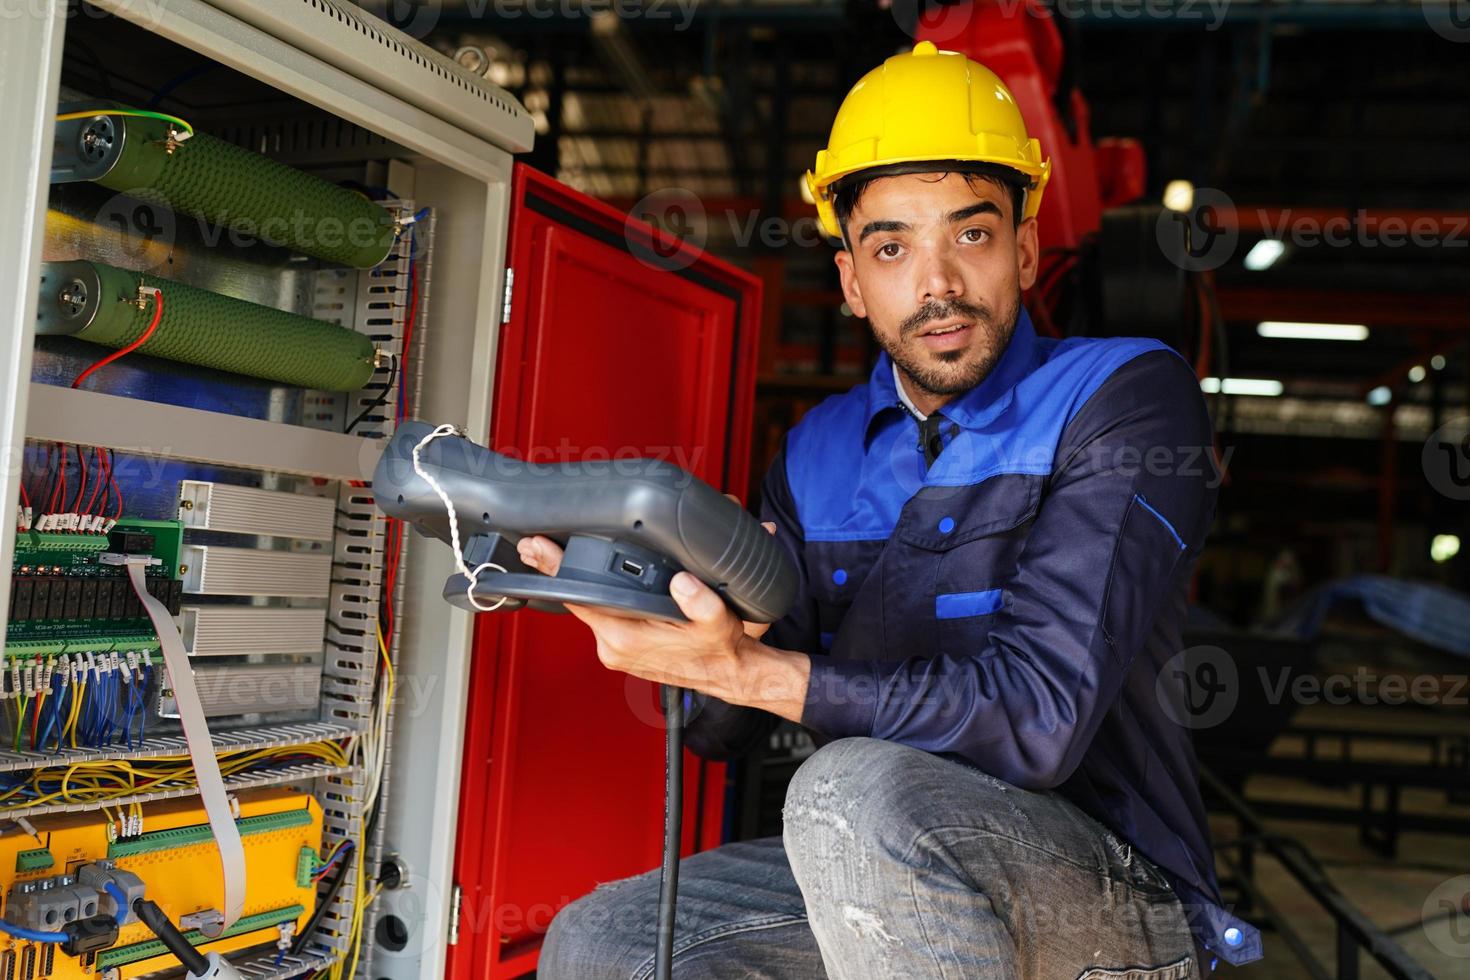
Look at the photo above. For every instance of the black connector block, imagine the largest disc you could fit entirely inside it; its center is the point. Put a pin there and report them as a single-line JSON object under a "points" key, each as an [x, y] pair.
{"points": [[89, 935]]}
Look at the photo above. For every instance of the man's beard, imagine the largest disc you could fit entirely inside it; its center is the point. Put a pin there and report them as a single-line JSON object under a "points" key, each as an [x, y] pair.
{"points": [[953, 375]]}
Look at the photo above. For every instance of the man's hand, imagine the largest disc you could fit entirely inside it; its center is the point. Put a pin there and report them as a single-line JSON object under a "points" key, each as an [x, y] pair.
{"points": [[715, 652]]}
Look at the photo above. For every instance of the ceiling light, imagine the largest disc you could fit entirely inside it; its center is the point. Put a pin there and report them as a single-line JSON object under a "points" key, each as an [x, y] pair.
{"points": [[1437, 362], [1265, 387], [1417, 373], [1444, 547], [1179, 195], [1288, 330], [1380, 395], [1263, 254]]}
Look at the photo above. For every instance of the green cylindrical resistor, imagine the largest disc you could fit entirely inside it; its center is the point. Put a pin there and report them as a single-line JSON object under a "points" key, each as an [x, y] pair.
{"points": [[248, 193], [99, 303]]}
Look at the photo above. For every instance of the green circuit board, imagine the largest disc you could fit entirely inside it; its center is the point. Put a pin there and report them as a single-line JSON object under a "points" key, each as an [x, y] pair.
{"points": [[64, 598]]}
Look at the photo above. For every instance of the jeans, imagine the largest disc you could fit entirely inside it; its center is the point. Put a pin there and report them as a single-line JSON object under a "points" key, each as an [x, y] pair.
{"points": [[895, 863]]}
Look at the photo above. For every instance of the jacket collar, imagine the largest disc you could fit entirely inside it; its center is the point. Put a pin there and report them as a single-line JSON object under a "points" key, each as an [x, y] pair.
{"points": [[973, 409]]}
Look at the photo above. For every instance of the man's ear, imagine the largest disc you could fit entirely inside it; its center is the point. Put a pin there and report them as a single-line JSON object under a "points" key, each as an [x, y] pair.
{"points": [[850, 290], [1028, 253]]}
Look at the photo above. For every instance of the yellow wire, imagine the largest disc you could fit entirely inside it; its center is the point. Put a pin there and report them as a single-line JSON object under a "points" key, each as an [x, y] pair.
{"points": [[163, 116], [76, 710], [20, 719], [105, 781], [390, 681]]}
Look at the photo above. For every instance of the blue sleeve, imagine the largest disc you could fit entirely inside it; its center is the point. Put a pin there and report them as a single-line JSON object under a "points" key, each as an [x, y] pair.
{"points": [[1125, 510], [720, 731]]}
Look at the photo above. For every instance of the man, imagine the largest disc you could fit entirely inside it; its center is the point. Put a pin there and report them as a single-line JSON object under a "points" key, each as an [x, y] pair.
{"points": [[995, 536]]}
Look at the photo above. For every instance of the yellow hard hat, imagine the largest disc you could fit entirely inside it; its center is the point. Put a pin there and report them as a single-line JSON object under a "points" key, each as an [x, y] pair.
{"points": [[920, 106]]}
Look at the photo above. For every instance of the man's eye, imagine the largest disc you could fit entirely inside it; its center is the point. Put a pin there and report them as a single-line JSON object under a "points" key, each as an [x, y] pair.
{"points": [[974, 236], [889, 250]]}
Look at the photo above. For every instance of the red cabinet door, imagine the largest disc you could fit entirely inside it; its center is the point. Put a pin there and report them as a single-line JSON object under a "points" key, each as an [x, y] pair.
{"points": [[620, 345]]}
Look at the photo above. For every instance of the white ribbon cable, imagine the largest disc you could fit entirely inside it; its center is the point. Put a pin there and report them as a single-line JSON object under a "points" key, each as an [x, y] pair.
{"points": [[201, 753]]}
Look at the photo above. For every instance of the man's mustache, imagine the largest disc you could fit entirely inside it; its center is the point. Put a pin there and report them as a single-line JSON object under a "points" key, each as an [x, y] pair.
{"points": [[940, 310]]}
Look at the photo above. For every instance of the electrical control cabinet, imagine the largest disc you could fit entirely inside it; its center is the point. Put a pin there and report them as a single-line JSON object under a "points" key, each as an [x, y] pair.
{"points": [[249, 238]]}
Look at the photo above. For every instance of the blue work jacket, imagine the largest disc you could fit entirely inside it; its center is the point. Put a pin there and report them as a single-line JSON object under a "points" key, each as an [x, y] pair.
{"points": [[1014, 603]]}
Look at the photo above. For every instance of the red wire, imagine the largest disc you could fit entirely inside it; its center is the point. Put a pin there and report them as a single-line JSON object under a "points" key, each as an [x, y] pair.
{"points": [[122, 352], [115, 355], [112, 487], [112, 482], [60, 485], [101, 459], [25, 498], [413, 307], [393, 535], [82, 487]]}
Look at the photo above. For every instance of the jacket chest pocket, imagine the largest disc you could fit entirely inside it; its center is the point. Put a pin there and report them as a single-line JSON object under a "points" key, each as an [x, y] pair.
{"points": [[971, 537]]}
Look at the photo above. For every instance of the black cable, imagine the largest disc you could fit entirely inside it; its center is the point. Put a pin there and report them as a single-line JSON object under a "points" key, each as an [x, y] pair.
{"points": [[154, 918], [325, 902], [382, 396], [668, 882]]}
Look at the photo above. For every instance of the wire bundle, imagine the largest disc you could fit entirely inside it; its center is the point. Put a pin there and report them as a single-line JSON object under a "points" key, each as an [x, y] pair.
{"points": [[106, 781], [104, 504], [79, 700], [78, 491]]}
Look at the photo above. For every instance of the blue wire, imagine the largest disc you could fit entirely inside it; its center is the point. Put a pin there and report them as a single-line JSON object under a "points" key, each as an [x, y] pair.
{"points": [[89, 709], [121, 900], [44, 733], [336, 855], [104, 734], [128, 718], [114, 688], [143, 705], [31, 935], [52, 723], [184, 76]]}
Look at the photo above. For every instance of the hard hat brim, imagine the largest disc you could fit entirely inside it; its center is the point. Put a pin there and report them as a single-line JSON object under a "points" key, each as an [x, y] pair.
{"points": [[1033, 175]]}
